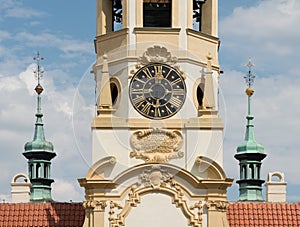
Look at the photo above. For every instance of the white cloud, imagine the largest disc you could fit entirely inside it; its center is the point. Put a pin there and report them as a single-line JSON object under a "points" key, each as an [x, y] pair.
{"points": [[4, 35], [267, 32], [45, 39], [16, 9], [65, 191], [5, 198], [5, 4], [17, 119], [277, 125], [22, 13], [272, 19]]}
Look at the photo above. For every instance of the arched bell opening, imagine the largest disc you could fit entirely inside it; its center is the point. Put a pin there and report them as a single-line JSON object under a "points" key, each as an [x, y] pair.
{"points": [[197, 14], [117, 14], [37, 170], [157, 13]]}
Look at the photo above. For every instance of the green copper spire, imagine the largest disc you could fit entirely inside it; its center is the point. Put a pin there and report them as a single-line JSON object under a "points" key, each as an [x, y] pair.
{"points": [[39, 152], [250, 153]]}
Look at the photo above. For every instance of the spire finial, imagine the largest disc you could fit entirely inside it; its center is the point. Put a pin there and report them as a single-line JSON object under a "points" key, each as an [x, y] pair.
{"points": [[38, 72], [249, 78], [250, 153], [39, 152]]}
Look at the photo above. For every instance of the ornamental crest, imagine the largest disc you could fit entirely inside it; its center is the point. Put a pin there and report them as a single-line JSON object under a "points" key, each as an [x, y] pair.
{"points": [[155, 177], [156, 145], [157, 54]]}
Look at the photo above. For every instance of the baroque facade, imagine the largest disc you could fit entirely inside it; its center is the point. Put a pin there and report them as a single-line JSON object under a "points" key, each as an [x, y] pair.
{"points": [[157, 137]]}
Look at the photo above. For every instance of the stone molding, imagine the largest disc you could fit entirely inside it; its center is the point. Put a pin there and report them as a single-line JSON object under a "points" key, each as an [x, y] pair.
{"points": [[156, 145], [114, 202], [95, 204], [157, 54], [155, 178], [216, 205]]}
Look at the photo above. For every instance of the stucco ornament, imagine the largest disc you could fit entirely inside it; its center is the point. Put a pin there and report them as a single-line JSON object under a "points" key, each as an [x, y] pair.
{"points": [[154, 177], [156, 145], [92, 204], [157, 54], [160, 179], [217, 205]]}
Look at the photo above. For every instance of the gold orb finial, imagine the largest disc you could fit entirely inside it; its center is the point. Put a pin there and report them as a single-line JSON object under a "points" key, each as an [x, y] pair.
{"points": [[249, 91], [39, 89]]}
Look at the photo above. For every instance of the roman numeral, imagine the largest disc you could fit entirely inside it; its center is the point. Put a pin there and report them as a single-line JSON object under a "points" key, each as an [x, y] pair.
{"points": [[157, 112], [168, 110], [157, 69], [139, 80], [168, 73], [146, 108], [137, 91], [178, 92], [176, 81], [138, 100], [147, 73], [175, 102]]}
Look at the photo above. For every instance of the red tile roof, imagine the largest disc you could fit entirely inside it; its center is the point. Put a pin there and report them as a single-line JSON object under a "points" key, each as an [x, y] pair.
{"points": [[41, 214], [240, 214], [260, 214]]}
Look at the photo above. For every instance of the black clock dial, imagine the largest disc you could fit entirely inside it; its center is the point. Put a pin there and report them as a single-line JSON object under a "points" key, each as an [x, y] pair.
{"points": [[157, 91]]}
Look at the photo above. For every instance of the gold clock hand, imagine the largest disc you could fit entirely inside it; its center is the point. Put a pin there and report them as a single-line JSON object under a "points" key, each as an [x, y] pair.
{"points": [[147, 90]]}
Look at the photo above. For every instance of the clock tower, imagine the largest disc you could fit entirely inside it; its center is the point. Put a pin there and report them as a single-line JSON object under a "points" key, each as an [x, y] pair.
{"points": [[157, 137]]}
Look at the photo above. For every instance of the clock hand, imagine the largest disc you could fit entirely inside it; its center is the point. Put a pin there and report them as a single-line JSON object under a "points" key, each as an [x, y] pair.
{"points": [[147, 90], [157, 104], [159, 75], [157, 80], [168, 91]]}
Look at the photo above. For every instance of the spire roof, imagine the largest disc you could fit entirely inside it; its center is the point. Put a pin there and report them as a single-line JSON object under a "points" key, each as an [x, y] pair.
{"points": [[250, 153], [39, 143], [250, 145], [39, 152]]}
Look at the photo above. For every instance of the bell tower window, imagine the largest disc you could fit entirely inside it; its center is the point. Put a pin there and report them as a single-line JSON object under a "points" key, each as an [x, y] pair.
{"points": [[157, 13], [116, 15], [197, 14]]}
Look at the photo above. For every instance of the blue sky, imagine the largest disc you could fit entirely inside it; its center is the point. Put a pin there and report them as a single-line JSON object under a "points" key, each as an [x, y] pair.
{"points": [[63, 31]]}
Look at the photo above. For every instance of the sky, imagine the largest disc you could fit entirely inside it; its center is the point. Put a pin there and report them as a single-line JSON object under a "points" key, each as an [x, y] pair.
{"points": [[265, 30]]}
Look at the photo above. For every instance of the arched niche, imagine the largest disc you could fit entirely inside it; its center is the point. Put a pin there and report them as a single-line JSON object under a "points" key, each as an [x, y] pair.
{"points": [[275, 177], [206, 168], [156, 210], [101, 169], [167, 195], [20, 178], [187, 193]]}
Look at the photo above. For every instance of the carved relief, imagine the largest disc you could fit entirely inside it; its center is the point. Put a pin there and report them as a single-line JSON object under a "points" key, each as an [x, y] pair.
{"points": [[155, 177], [95, 204], [157, 54], [217, 205], [113, 206], [156, 145], [198, 206]]}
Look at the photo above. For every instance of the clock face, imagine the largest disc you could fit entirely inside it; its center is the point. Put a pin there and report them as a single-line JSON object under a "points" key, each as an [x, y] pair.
{"points": [[157, 91]]}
